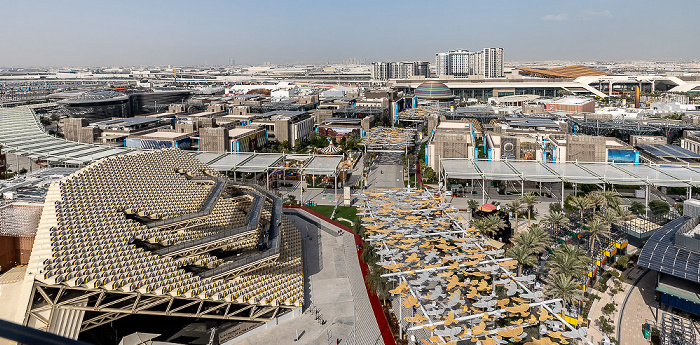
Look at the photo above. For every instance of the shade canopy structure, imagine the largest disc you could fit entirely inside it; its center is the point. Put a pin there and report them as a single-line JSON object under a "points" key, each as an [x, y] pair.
{"points": [[573, 172], [253, 162], [22, 134], [388, 139], [437, 263]]}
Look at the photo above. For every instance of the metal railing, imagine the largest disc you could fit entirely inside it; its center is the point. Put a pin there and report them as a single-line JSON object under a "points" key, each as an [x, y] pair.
{"points": [[269, 237], [251, 224]]}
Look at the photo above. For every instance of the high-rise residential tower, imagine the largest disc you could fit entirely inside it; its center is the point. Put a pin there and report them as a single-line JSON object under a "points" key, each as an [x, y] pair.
{"points": [[487, 62]]}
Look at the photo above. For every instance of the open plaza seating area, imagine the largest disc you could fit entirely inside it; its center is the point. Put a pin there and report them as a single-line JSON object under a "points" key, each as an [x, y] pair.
{"points": [[452, 283], [115, 220]]}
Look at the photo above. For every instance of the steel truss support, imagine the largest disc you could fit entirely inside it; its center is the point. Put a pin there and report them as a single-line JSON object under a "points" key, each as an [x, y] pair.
{"points": [[102, 306]]}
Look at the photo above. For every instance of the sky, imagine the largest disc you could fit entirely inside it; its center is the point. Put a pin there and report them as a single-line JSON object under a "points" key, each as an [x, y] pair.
{"points": [[177, 32]]}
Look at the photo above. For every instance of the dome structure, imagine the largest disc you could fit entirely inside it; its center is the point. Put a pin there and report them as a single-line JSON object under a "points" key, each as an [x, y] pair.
{"points": [[433, 90]]}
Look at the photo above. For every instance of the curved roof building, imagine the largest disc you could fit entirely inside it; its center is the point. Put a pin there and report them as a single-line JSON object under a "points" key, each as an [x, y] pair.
{"points": [[100, 105], [161, 226], [433, 90], [97, 105]]}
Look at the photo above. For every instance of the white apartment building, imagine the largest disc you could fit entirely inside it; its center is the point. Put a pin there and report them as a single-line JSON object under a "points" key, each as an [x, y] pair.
{"points": [[399, 70], [487, 62]]}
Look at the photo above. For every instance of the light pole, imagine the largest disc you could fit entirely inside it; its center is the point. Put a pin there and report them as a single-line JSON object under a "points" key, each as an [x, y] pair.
{"points": [[408, 172]]}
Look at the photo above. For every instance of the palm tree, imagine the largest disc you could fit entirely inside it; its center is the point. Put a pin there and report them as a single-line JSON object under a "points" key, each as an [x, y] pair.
{"points": [[526, 240], [523, 256], [480, 224], [609, 217], [596, 200], [530, 200], [564, 287], [542, 240], [623, 213], [535, 241], [514, 207], [611, 199], [575, 251], [580, 203], [495, 223], [378, 284], [489, 225], [596, 230], [369, 255], [565, 263], [556, 219], [472, 205]]}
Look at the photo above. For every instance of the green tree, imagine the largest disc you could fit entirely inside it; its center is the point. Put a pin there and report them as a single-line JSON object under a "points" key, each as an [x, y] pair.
{"points": [[568, 260], [514, 207], [428, 175], [352, 141], [378, 284], [659, 207], [581, 204], [489, 225], [609, 308], [595, 199], [637, 208], [610, 198], [555, 219], [523, 256], [564, 287], [316, 140], [473, 205], [597, 229], [555, 207], [623, 214], [529, 200], [606, 326]]}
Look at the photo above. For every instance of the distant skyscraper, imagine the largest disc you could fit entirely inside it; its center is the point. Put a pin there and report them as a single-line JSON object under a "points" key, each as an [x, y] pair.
{"points": [[463, 63], [399, 70]]}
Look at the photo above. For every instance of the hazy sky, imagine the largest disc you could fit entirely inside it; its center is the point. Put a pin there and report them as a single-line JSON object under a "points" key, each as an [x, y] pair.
{"points": [[99, 33]]}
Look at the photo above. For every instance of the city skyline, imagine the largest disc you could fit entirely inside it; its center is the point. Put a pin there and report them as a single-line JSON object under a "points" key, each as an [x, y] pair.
{"points": [[80, 33]]}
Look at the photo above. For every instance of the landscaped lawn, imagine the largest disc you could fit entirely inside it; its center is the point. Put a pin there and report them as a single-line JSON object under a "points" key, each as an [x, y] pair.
{"points": [[349, 213]]}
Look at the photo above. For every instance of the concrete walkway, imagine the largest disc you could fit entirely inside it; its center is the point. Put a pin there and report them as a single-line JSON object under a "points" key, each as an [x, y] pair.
{"points": [[595, 332], [385, 176], [335, 289], [639, 309]]}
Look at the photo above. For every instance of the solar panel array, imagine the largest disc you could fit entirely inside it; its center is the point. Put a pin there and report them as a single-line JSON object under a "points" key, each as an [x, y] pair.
{"points": [[660, 254], [668, 151]]}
